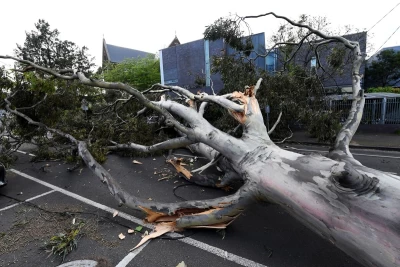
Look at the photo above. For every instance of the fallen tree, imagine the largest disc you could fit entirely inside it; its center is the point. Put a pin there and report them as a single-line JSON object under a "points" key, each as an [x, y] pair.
{"points": [[355, 207]]}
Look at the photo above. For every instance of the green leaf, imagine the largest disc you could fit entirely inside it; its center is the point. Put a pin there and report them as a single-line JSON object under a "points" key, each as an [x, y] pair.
{"points": [[138, 228]]}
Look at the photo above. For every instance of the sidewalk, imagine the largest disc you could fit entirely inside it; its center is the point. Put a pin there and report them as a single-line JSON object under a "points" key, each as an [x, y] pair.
{"points": [[382, 141]]}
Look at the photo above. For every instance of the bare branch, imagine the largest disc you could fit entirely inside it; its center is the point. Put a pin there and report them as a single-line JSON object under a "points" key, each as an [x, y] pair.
{"points": [[46, 70], [35, 105], [202, 108], [104, 109], [286, 138], [169, 144], [347, 43], [221, 100], [211, 163], [257, 86], [350, 127], [140, 112], [299, 45], [276, 123], [39, 124]]}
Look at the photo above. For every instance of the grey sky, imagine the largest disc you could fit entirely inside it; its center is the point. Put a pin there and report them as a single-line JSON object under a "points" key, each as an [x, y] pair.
{"points": [[150, 25]]}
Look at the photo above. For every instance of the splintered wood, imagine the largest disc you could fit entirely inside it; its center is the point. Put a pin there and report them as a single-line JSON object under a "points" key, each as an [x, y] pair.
{"points": [[159, 230], [177, 163]]}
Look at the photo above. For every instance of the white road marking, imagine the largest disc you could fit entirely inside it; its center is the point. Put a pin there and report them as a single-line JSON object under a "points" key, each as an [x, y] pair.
{"points": [[211, 249], [218, 252], [85, 200], [27, 200], [357, 154], [125, 261], [79, 263], [26, 153]]}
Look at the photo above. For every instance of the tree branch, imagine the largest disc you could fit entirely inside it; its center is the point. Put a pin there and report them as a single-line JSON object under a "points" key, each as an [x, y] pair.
{"points": [[169, 144], [35, 105], [350, 127], [46, 70], [220, 100], [257, 86], [123, 197], [347, 43], [108, 85], [276, 123]]}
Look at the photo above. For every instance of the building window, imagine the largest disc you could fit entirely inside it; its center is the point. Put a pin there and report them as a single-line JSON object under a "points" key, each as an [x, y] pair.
{"points": [[271, 62], [171, 81], [313, 62]]}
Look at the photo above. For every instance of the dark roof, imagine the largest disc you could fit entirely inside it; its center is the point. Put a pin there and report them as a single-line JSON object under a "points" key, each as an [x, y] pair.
{"points": [[375, 56], [117, 54], [174, 42]]}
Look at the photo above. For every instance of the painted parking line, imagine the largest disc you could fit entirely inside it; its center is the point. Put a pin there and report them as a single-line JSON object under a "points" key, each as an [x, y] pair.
{"points": [[128, 258], [187, 240], [85, 200], [27, 200], [26, 153]]}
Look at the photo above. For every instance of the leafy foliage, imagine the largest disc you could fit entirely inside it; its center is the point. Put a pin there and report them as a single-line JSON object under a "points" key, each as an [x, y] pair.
{"points": [[386, 89], [64, 243], [59, 103], [44, 48], [324, 125], [229, 30], [336, 57], [385, 71], [294, 91], [138, 72]]}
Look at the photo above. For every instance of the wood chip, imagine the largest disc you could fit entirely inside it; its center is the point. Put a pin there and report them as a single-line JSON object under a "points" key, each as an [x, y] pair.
{"points": [[160, 229], [115, 213], [131, 231], [179, 168], [137, 162], [121, 236]]}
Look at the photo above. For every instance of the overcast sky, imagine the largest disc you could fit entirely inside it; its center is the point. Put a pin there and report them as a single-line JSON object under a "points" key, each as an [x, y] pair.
{"points": [[150, 25]]}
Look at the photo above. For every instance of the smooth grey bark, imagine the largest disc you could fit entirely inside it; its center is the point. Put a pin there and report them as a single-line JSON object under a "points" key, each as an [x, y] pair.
{"points": [[169, 144]]}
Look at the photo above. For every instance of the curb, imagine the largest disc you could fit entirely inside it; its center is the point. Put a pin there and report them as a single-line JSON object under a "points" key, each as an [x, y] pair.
{"points": [[351, 146]]}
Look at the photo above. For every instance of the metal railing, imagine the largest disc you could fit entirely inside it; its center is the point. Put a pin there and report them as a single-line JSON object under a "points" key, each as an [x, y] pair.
{"points": [[376, 110]]}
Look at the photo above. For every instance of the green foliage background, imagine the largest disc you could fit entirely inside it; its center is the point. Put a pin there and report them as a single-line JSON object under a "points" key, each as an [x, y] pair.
{"points": [[385, 71], [58, 103]]}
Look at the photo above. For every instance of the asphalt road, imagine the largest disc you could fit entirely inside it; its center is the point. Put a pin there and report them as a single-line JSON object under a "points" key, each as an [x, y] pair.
{"points": [[265, 235]]}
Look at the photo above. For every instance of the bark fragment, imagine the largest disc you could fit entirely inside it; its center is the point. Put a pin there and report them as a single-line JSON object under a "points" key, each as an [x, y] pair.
{"points": [[177, 163]]}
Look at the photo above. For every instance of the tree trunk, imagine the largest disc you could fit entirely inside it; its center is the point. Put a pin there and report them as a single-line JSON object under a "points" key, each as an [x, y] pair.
{"points": [[355, 207]]}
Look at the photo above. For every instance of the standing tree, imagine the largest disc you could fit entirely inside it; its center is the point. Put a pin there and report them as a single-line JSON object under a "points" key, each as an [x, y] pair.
{"points": [[385, 71], [140, 73], [59, 103], [55, 102], [355, 207]]}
